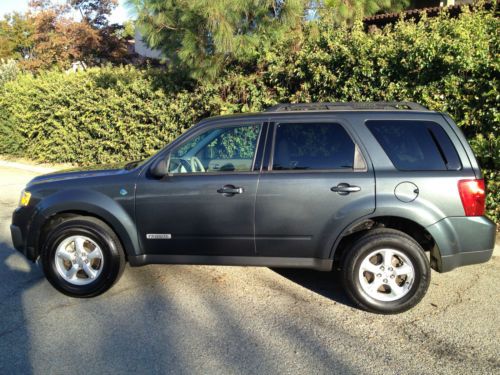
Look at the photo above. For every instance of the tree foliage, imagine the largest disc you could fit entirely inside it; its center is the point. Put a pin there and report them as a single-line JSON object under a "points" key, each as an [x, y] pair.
{"points": [[112, 114], [16, 36], [8, 71], [48, 36], [204, 36], [57, 39], [95, 12]]}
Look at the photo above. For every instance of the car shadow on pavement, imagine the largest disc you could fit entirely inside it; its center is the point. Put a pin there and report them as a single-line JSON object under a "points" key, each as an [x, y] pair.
{"points": [[326, 284], [158, 319], [185, 319], [16, 276]]}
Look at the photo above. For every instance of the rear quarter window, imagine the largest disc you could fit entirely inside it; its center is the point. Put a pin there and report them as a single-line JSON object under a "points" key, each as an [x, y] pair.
{"points": [[416, 145]]}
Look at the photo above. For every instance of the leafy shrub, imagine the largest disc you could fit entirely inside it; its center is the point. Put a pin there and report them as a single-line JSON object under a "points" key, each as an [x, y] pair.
{"points": [[97, 116], [110, 114]]}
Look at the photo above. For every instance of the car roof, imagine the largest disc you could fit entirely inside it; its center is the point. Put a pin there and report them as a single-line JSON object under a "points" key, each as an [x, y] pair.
{"points": [[349, 106], [306, 109]]}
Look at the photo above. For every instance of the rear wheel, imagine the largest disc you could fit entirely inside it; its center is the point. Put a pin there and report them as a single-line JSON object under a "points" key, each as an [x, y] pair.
{"points": [[82, 257], [386, 271]]}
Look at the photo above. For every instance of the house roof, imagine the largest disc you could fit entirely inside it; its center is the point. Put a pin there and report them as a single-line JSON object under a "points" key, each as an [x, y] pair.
{"points": [[380, 20]]}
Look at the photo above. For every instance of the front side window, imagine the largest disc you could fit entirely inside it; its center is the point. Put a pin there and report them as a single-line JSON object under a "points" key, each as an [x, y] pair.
{"points": [[312, 146], [227, 149]]}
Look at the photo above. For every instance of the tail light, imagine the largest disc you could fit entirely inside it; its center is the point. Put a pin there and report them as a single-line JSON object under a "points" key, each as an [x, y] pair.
{"points": [[473, 196]]}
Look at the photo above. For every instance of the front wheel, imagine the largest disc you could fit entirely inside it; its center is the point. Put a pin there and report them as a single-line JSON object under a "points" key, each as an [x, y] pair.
{"points": [[82, 256], [386, 271]]}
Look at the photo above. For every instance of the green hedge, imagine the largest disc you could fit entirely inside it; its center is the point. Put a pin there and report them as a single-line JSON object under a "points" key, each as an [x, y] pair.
{"points": [[111, 114], [99, 116]]}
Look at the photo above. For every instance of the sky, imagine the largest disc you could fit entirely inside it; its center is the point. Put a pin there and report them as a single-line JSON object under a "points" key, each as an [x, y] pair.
{"points": [[8, 6]]}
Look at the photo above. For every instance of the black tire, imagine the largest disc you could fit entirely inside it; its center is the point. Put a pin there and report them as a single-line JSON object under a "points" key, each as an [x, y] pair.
{"points": [[378, 239], [113, 262]]}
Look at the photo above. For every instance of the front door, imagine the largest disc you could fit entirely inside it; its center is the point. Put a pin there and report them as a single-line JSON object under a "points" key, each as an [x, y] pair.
{"points": [[205, 206], [317, 184]]}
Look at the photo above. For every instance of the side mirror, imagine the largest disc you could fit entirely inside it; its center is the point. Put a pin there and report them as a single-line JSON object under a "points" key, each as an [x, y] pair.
{"points": [[159, 169]]}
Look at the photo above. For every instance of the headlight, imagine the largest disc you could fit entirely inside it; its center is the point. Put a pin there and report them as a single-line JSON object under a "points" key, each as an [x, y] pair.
{"points": [[25, 198]]}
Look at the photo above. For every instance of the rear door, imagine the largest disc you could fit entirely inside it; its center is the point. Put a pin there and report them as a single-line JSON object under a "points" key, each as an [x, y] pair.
{"points": [[317, 182]]}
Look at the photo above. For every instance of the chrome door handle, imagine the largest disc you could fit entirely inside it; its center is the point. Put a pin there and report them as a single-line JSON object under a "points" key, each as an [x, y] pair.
{"points": [[344, 189], [229, 190]]}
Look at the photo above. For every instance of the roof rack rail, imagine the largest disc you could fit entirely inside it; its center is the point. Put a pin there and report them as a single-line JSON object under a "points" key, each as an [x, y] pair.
{"points": [[346, 106]]}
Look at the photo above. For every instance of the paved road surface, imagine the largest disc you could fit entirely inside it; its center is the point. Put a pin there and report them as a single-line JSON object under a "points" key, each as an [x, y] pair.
{"points": [[237, 320]]}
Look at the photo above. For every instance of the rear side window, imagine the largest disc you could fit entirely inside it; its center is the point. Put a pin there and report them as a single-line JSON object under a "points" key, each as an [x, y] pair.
{"points": [[416, 145], [312, 146]]}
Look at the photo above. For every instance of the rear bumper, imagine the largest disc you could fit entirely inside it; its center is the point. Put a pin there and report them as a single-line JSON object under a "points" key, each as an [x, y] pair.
{"points": [[462, 241], [462, 259]]}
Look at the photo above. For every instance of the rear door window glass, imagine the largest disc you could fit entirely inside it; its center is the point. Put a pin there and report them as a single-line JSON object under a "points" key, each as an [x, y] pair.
{"points": [[416, 145], [312, 146]]}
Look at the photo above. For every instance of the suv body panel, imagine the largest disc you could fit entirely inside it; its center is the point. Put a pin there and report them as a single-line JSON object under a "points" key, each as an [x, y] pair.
{"points": [[196, 218], [459, 240], [308, 226], [95, 194], [462, 241], [199, 220], [296, 212]]}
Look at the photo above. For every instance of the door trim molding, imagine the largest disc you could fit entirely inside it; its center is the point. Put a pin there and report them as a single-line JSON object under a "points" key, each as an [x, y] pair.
{"points": [[278, 262]]}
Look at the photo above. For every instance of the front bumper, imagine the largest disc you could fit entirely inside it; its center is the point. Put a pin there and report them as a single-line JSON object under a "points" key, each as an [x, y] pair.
{"points": [[19, 243], [462, 241], [17, 237], [21, 220]]}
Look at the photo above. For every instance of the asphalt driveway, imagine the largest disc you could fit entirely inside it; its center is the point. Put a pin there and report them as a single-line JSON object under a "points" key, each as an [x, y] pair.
{"points": [[237, 320]]}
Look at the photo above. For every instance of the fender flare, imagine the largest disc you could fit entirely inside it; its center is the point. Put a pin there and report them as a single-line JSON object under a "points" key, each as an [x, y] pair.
{"points": [[86, 202], [364, 222]]}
